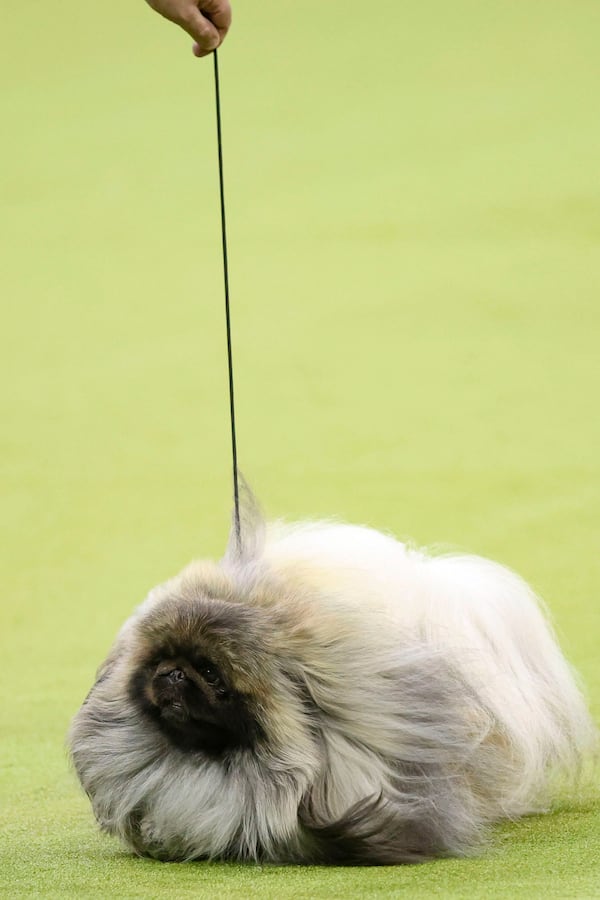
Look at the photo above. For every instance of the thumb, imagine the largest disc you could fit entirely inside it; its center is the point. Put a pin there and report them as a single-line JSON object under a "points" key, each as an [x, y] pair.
{"points": [[201, 30]]}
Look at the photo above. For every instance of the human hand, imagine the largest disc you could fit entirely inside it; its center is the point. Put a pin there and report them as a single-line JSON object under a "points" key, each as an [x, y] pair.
{"points": [[206, 21]]}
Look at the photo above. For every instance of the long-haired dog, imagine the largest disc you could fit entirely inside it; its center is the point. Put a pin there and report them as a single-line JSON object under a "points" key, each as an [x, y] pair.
{"points": [[327, 694]]}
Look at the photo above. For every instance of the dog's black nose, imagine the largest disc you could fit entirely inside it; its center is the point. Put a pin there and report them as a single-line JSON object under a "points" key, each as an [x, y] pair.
{"points": [[174, 676]]}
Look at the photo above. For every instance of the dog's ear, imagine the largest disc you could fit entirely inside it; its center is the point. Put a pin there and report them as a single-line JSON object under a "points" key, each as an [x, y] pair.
{"points": [[422, 737], [372, 832], [247, 536], [419, 815]]}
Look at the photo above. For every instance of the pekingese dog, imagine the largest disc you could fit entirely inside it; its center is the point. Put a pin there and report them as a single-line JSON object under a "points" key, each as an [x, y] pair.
{"points": [[325, 694]]}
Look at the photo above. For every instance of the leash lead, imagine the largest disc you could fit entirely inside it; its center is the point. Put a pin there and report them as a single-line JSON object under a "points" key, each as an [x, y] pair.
{"points": [[236, 492]]}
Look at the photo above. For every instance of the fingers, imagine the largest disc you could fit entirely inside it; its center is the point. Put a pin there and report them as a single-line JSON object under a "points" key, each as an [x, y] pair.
{"points": [[217, 15], [201, 29], [206, 21]]}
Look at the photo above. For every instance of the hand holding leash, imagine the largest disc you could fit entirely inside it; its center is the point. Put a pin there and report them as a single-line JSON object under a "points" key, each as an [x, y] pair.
{"points": [[206, 21]]}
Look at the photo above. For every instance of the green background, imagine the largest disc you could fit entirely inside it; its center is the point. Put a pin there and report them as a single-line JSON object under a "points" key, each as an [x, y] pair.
{"points": [[414, 209]]}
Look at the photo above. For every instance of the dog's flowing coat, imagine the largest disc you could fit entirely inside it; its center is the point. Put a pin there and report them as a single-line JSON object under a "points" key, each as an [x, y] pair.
{"points": [[326, 694]]}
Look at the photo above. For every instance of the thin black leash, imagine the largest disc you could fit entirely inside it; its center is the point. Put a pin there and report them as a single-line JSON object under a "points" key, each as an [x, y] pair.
{"points": [[236, 491]]}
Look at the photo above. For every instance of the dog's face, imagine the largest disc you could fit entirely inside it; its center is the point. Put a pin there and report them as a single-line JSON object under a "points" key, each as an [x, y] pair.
{"points": [[206, 669], [188, 674]]}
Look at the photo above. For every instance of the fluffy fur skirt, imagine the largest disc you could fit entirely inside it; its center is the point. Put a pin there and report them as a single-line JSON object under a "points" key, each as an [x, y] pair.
{"points": [[326, 694]]}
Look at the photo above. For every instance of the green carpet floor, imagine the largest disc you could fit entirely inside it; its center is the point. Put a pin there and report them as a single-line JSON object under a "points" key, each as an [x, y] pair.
{"points": [[414, 208]]}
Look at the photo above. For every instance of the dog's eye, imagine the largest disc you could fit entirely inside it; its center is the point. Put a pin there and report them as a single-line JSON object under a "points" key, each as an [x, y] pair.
{"points": [[212, 676], [209, 674]]}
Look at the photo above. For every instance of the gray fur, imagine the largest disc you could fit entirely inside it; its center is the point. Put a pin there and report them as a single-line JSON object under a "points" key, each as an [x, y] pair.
{"points": [[375, 744]]}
